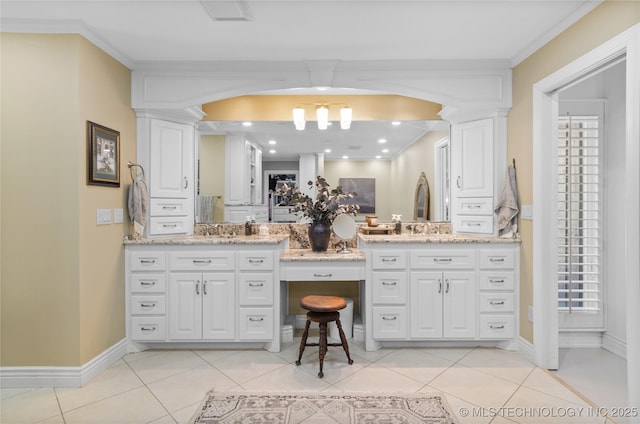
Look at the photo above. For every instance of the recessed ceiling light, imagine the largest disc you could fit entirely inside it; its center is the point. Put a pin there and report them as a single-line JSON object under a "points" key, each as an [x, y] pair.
{"points": [[322, 88], [396, 123], [327, 150], [385, 150], [272, 151], [378, 157], [246, 124], [382, 140], [272, 142], [345, 157]]}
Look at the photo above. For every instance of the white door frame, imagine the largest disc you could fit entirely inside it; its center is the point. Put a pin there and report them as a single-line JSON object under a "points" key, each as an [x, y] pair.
{"points": [[545, 112]]}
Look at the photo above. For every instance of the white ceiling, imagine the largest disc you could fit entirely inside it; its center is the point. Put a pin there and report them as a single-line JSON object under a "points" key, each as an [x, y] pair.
{"points": [[142, 31]]}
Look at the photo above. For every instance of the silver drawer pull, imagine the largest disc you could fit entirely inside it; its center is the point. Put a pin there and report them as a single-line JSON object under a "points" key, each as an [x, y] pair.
{"points": [[493, 281], [256, 319], [474, 224], [496, 302], [198, 287], [204, 287], [496, 327], [442, 260], [496, 260], [147, 261], [147, 328], [474, 206], [173, 207], [256, 261], [389, 318], [169, 225], [389, 259], [256, 284], [322, 275], [147, 283], [147, 305], [202, 261], [389, 283]]}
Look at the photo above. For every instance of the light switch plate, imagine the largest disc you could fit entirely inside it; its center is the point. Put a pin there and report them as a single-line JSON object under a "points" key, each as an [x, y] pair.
{"points": [[527, 211], [103, 216], [118, 216]]}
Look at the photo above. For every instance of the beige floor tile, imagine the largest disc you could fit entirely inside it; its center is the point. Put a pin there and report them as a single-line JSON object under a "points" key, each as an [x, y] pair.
{"points": [[167, 419], [416, 364], [243, 366], [541, 381], [182, 389], [335, 367], [501, 363], [135, 406], [474, 386], [58, 419], [164, 364], [372, 356], [183, 416], [145, 354], [453, 354], [531, 406], [287, 379], [466, 413], [376, 378], [213, 355], [7, 393], [20, 409], [111, 382]]}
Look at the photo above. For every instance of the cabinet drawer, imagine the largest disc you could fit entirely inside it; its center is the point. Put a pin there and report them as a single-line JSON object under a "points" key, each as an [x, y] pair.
{"points": [[148, 328], [201, 261], [475, 206], [389, 323], [147, 261], [147, 305], [255, 260], [148, 283], [168, 207], [256, 289], [389, 288], [497, 326], [295, 273], [255, 324], [496, 259], [389, 260], [496, 280], [159, 226], [474, 224], [443, 259], [496, 302]]}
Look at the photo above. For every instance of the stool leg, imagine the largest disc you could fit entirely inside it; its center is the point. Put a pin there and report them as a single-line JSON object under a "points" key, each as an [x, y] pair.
{"points": [[303, 342], [343, 339], [323, 346]]}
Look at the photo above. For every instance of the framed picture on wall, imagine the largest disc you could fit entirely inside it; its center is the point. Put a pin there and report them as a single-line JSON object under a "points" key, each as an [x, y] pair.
{"points": [[365, 188], [103, 147]]}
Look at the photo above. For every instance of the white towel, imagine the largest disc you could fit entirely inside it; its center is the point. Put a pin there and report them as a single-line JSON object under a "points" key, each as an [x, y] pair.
{"points": [[507, 205], [138, 206]]}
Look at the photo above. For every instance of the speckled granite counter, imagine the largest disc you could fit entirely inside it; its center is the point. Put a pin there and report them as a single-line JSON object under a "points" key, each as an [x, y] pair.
{"points": [[210, 240], [432, 238], [307, 255]]}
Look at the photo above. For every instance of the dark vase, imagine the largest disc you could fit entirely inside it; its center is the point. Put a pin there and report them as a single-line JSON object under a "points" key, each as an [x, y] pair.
{"points": [[319, 235]]}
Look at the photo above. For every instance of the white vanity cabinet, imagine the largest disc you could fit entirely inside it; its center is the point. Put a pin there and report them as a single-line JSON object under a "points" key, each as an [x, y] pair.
{"points": [[256, 295], [389, 291], [146, 296]]}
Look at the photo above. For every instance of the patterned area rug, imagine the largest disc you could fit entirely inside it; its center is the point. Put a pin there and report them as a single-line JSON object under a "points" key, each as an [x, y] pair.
{"points": [[322, 408]]}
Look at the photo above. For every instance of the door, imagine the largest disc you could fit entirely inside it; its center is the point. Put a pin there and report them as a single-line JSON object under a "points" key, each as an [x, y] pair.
{"points": [[460, 314], [426, 305], [218, 306], [185, 306]]}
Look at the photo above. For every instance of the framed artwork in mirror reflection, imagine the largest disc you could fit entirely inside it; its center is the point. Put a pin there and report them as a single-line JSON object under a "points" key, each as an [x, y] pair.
{"points": [[103, 147]]}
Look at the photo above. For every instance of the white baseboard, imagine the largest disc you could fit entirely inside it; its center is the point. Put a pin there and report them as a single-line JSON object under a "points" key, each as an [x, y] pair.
{"points": [[575, 339], [614, 345], [525, 348], [31, 377]]}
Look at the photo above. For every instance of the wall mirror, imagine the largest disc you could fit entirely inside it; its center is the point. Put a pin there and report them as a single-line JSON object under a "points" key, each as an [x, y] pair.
{"points": [[422, 199]]}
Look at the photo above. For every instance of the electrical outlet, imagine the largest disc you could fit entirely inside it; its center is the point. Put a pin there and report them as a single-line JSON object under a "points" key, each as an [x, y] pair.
{"points": [[527, 211], [118, 216], [103, 216]]}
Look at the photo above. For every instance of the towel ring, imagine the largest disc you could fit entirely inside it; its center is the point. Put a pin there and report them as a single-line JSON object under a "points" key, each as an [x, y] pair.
{"points": [[132, 165]]}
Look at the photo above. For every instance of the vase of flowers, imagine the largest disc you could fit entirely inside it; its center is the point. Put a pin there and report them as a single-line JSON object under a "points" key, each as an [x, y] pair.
{"points": [[319, 213]]}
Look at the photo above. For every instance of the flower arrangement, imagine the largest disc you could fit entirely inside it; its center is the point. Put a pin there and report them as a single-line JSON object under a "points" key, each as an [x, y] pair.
{"points": [[329, 202]]}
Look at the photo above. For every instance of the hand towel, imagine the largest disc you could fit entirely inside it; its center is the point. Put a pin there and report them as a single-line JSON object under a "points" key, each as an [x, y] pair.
{"points": [[507, 205], [138, 206]]}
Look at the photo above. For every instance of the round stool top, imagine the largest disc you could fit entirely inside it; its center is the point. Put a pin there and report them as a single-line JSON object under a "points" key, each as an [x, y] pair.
{"points": [[323, 303]]}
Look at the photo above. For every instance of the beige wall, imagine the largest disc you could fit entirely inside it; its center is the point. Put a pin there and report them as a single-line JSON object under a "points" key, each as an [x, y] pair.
{"points": [[62, 275], [212, 171], [602, 24]]}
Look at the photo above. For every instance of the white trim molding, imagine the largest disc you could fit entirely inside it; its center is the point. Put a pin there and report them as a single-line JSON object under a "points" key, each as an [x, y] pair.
{"points": [[69, 377], [545, 112]]}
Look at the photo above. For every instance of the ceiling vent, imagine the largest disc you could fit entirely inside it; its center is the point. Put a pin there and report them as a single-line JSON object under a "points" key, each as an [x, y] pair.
{"points": [[228, 10]]}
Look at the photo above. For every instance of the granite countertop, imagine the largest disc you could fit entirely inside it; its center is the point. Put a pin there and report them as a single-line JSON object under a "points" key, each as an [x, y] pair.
{"points": [[307, 255], [210, 240], [432, 238]]}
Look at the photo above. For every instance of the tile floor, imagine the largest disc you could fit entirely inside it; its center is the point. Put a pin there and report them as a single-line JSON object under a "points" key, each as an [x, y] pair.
{"points": [[166, 387]]}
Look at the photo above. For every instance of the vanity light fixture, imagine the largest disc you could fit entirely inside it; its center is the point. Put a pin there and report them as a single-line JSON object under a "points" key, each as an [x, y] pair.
{"points": [[345, 117], [322, 116], [298, 118]]}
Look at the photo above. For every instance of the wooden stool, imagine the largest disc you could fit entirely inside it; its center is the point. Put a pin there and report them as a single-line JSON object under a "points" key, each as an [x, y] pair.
{"points": [[323, 309]]}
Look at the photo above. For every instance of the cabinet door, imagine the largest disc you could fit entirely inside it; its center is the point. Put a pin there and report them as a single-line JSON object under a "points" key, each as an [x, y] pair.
{"points": [[237, 173], [171, 154], [218, 306], [472, 159], [426, 305], [185, 306], [460, 314]]}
